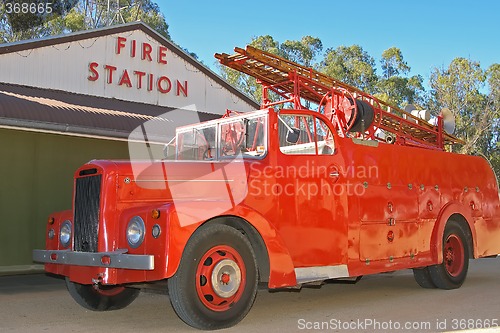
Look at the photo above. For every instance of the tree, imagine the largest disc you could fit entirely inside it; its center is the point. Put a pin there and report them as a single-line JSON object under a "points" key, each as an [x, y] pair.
{"points": [[248, 84], [302, 52], [352, 65], [393, 64], [492, 141], [27, 19], [460, 87], [78, 15], [266, 43], [394, 86]]}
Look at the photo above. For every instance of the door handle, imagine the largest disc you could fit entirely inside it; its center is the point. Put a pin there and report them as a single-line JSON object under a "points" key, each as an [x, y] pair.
{"points": [[334, 174]]}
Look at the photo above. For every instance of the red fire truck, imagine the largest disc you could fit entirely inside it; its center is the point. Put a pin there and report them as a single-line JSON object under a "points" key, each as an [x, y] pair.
{"points": [[285, 196]]}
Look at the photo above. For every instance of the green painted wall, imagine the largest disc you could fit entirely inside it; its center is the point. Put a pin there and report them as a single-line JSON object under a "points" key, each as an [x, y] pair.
{"points": [[36, 172]]}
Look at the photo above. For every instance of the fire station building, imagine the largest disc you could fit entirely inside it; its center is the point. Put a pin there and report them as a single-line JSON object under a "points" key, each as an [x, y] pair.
{"points": [[67, 100]]}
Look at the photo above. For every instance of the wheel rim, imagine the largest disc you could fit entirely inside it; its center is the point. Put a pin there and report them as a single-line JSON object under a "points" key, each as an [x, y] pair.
{"points": [[220, 278], [109, 290], [454, 255]]}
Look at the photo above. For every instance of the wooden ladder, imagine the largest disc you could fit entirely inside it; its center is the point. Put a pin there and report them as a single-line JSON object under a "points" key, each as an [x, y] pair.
{"points": [[294, 82]]}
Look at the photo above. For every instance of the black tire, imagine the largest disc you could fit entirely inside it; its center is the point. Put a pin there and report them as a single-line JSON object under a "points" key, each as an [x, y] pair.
{"points": [[423, 278], [102, 298], [227, 253], [451, 273]]}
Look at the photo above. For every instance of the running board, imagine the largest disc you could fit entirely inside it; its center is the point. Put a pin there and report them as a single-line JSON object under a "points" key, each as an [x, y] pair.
{"points": [[320, 273]]}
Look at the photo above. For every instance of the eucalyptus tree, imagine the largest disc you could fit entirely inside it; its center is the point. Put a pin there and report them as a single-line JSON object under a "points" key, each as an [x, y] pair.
{"points": [[63, 16], [351, 65], [395, 86], [472, 94]]}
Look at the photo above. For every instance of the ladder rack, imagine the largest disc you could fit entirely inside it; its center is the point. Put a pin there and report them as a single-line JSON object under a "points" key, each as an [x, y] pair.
{"points": [[342, 103]]}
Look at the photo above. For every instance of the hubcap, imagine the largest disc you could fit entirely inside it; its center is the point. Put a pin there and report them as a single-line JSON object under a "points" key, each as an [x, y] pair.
{"points": [[220, 278], [226, 278], [454, 255]]}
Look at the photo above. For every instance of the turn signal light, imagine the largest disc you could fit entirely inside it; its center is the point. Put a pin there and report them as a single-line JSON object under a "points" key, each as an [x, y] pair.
{"points": [[155, 214]]}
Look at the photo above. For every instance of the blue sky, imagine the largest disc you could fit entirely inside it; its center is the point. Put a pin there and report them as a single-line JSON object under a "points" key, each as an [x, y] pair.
{"points": [[429, 33]]}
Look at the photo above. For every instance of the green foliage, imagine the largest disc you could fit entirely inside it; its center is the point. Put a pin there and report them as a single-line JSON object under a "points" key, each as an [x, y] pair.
{"points": [[303, 52], [77, 15], [394, 86], [148, 12], [458, 88], [393, 64], [461, 88], [493, 104], [248, 84], [73, 21], [266, 43], [30, 19], [352, 65]]}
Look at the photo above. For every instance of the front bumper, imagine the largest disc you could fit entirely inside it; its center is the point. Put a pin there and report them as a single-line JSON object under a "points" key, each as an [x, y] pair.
{"points": [[114, 259]]}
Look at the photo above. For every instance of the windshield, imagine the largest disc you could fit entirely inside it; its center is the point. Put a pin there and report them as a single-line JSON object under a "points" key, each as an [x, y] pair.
{"points": [[242, 135]]}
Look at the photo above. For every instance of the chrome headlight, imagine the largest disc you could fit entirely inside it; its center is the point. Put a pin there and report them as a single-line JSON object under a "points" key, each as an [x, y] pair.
{"points": [[135, 232], [65, 233]]}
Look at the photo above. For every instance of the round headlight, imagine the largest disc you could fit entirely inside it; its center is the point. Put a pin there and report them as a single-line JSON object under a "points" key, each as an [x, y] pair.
{"points": [[135, 232], [65, 233]]}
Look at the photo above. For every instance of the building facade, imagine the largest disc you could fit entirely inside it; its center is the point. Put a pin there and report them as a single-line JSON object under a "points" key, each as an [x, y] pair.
{"points": [[70, 99]]}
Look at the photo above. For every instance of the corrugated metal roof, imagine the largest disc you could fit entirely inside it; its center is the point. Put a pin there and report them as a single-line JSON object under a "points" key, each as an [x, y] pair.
{"points": [[58, 111]]}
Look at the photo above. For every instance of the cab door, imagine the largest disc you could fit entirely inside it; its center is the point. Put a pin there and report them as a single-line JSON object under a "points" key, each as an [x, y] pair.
{"points": [[313, 203]]}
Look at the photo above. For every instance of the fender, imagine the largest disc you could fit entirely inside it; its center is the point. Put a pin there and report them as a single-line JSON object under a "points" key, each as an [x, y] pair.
{"points": [[55, 221], [446, 212], [281, 268]]}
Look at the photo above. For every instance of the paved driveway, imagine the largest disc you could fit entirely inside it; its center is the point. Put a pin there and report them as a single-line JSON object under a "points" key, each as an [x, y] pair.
{"points": [[378, 303]]}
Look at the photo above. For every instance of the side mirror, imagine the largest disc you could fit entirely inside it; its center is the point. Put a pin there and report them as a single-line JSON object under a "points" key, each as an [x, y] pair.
{"points": [[293, 135]]}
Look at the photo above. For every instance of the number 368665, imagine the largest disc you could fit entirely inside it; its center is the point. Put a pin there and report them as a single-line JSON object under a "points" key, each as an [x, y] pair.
{"points": [[26, 7]]}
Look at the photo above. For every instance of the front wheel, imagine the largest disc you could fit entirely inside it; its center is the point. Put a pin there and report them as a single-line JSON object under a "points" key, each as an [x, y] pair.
{"points": [[451, 273], [216, 282], [101, 298]]}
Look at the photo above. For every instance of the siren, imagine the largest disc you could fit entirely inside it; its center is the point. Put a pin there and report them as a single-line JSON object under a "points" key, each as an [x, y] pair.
{"points": [[421, 114], [448, 120], [448, 117]]}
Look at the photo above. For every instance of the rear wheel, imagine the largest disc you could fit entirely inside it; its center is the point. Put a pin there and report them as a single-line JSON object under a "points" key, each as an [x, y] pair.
{"points": [[451, 273], [216, 282], [423, 278], [101, 298]]}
